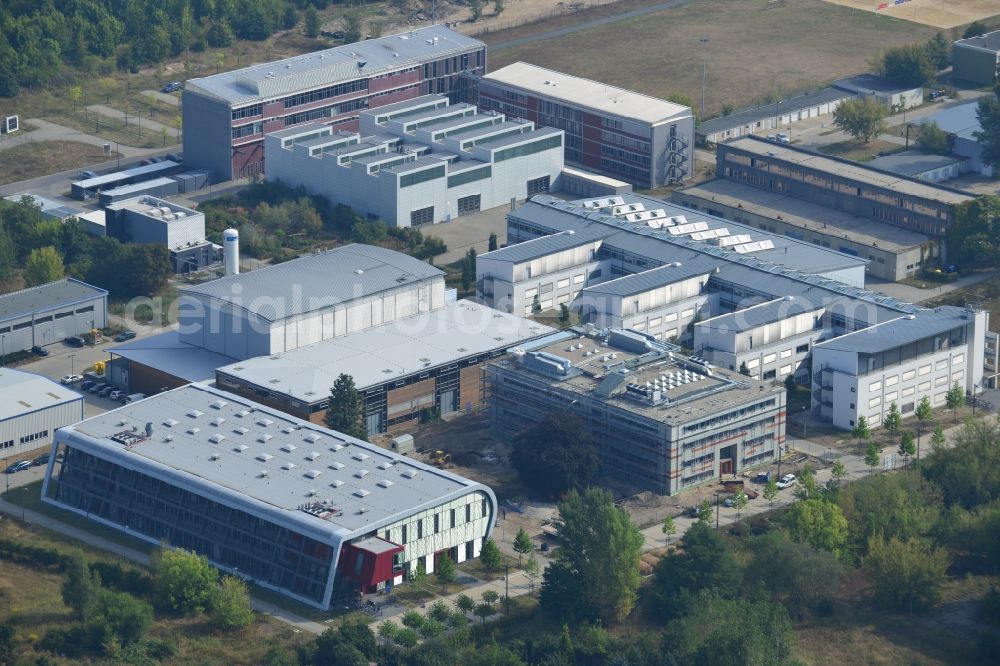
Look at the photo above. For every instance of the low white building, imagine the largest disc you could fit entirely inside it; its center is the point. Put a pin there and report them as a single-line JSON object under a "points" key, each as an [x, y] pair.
{"points": [[902, 360], [419, 162], [181, 230], [893, 96], [32, 408]]}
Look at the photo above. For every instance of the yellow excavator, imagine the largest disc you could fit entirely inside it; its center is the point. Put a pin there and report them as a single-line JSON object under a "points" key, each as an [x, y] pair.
{"points": [[440, 458]]}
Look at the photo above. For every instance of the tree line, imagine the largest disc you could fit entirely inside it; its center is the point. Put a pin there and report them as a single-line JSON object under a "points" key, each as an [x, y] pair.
{"points": [[38, 36], [35, 250]]}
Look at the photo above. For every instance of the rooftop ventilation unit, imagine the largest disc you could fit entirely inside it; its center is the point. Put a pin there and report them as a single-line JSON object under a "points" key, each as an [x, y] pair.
{"points": [[241, 430], [264, 422], [264, 457], [216, 438], [193, 431], [313, 473], [312, 455], [361, 473], [336, 465], [263, 439], [312, 438], [214, 456], [288, 466], [360, 456], [219, 404], [240, 448], [262, 473], [288, 448], [336, 483], [410, 473], [361, 492], [242, 413], [194, 413], [218, 421], [385, 483], [170, 423], [385, 465]]}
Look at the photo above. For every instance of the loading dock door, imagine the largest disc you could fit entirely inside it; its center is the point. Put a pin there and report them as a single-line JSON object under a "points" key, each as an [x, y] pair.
{"points": [[469, 204]]}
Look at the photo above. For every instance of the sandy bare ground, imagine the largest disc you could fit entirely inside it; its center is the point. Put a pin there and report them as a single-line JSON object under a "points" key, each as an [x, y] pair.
{"points": [[937, 13]]}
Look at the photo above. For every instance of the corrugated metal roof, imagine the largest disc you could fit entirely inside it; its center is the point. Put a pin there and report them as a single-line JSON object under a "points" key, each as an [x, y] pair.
{"points": [[420, 343], [961, 119], [165, 352], [761, 315], [540, 247], [318, 281], [23, 392], [335, 65], [912, 162], [638, 283], [46, 296], [902, 330], [264, 460]]}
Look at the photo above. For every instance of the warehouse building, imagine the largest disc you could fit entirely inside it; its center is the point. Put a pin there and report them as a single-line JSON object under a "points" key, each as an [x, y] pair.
{"points": [[49, 313], [51, 210], [418, 162], [619, 133], [296, 508], [977, 59], [148, 219], [665, 422], [227, 115], [893, 253], [765, 309], [840, 184], [32, 408], [429, 362], [89, 188], [307, 300], [771, 117]]}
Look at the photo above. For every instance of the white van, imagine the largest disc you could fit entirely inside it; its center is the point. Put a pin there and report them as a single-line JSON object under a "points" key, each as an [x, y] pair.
{"points": [[134, 397]]}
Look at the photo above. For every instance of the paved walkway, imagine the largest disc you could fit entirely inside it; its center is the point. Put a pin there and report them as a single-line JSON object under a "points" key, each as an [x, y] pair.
{"points": [[144, 123], [52, 132]]}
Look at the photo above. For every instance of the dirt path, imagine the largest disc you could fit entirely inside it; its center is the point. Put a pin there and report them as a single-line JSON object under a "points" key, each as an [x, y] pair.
{"points": [[52, 132], [153, 126]]}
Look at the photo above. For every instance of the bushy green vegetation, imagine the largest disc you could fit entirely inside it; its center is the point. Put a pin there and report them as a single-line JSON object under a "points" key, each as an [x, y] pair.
{"points": [[38, 38], [34, 250], [276, 221]]}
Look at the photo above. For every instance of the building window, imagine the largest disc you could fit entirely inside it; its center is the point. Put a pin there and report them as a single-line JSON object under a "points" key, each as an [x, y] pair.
{"points": [[468, 513], [452, 517], [528, 148], [437, 523], [420, 528], [538, 186], [408, 179], [470, 176], [403, 535]]}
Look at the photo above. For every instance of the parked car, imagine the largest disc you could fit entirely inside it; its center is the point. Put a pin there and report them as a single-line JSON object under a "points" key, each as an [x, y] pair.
{"points": [[124, 335], [85, 386], [763, 477], [40, 460], [88, 174], [174, 157], [19, 466], [786, 481], [117, 395], [104, 392], [781, 137], [71, 379], [173, 86], [38, 351], [74, 341], [98, 387]]}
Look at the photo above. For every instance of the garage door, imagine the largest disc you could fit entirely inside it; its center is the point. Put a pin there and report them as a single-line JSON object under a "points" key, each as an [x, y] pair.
{"points": [[469, 204]]}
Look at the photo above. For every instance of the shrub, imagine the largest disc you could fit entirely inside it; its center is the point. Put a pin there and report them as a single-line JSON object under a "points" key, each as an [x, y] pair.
{"points": [[439, 611], [406, 637], [431, 628], [413, 619]]}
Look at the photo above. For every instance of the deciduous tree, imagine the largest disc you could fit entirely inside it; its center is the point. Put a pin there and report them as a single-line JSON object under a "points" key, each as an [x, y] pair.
{"points": [[924, 414], [230, 606], [908, 65], [445, 570], [703, 563], [311, 27], [44, 265], [532, 571], [556, 454], [184, 581], [819, 523], [939, 51], [907, 446], [933, 139], [892, 420], [81, 588], [861, 118], [490, 555], [346, 410], [906, 575], [522, 544], [795, 574], [770, 492], [954, 399], [600, 552], [872, 457], [903, 504]]}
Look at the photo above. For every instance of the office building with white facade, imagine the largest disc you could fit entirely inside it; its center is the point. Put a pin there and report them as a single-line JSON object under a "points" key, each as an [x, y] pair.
{"points": [[698, 281], [899, 361], [419, 162], [619, 133], [294, 507], [32, 408]]}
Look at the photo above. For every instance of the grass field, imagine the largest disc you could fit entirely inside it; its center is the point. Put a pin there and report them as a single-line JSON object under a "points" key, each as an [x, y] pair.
{"points": [[34, 158], [933, 12], [860, 151], [753, 52]]}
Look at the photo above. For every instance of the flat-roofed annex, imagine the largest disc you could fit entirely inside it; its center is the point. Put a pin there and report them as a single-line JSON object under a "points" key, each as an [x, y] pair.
{"points": [[249, 455]]}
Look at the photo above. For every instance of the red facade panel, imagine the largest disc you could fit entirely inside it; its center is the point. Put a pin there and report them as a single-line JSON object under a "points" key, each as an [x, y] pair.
{"points": [[367, 568]]}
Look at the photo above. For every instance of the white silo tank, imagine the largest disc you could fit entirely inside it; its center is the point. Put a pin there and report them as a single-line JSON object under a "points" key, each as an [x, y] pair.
{"points": [[231, 251]]}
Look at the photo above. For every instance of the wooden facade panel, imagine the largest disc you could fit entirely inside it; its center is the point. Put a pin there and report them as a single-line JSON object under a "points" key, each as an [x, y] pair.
{"points": [[410, 397], [471, 386]]}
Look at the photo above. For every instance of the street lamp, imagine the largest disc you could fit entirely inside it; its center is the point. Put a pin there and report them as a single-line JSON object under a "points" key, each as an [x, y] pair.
{"points": [[3, 349], [717, 511], [704, 71], [72, 364]]}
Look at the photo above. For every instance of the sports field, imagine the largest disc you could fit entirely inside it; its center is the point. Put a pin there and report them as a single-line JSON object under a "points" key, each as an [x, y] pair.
{"points": [[937, 13], [757, 49]]}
